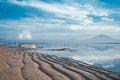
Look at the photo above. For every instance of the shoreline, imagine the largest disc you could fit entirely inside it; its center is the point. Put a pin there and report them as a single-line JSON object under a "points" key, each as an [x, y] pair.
{"points": [[23, 65]]}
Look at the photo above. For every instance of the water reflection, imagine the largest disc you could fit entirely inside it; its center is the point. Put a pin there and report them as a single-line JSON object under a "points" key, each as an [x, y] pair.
{"points": [[103, 55]]}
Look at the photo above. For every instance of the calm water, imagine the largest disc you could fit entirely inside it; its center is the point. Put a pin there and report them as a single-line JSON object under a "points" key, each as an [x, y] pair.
{"points": [[102, 55]]}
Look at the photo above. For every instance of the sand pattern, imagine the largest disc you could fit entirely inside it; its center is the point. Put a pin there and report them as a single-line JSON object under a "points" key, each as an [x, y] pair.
{"points": [[18, 64]]}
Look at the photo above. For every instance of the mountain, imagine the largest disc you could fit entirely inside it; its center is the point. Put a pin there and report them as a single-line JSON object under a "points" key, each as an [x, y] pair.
{"points": [[101, 39]]}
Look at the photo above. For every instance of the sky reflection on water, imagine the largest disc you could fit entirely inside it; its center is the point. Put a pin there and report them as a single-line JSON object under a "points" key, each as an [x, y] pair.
{"points": [[103, 55]]}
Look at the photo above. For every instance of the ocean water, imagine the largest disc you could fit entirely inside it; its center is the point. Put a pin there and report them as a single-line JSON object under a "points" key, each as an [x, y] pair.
{"points": [[102, 55]]}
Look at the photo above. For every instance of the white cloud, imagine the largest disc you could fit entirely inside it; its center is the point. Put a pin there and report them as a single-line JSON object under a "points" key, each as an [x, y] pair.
{"points": [[66, 17], [46, 27], [25, 35], [74, 11], [107, 19], [95, 27]]}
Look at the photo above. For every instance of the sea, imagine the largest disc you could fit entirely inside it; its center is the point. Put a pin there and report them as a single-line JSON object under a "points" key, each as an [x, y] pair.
{"points": [[97, 54]]}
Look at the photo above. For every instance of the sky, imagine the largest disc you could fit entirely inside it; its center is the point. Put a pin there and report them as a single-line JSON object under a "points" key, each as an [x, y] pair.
{"points": [[58, 19]]}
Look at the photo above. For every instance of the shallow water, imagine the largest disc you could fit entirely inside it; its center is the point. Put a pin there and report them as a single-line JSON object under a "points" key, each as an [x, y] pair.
{"points": [[102, 55]]}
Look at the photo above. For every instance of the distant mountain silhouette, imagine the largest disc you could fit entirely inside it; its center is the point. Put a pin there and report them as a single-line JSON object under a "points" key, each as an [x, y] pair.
{"points": [[101, 39]]}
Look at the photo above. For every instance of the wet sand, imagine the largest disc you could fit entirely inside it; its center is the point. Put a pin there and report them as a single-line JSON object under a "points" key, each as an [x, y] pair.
{"points": [[18, 64]]}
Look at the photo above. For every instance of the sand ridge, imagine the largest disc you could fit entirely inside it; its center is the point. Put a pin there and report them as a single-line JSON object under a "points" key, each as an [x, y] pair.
{"points": [[18, 64]]}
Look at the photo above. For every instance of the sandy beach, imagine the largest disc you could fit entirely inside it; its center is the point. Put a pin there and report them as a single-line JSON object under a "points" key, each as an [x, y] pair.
{"points": [[17, 64]]}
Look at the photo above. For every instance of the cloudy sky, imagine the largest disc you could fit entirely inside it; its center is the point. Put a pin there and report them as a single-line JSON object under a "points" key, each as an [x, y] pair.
{"points": [[59, 19]]}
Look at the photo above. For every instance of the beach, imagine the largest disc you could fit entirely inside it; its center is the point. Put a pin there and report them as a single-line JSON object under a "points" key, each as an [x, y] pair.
{"points": [[21, 64]]}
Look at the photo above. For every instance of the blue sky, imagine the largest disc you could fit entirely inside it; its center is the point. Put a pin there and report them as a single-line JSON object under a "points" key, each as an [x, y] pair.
{"points": [[59, 19]]}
